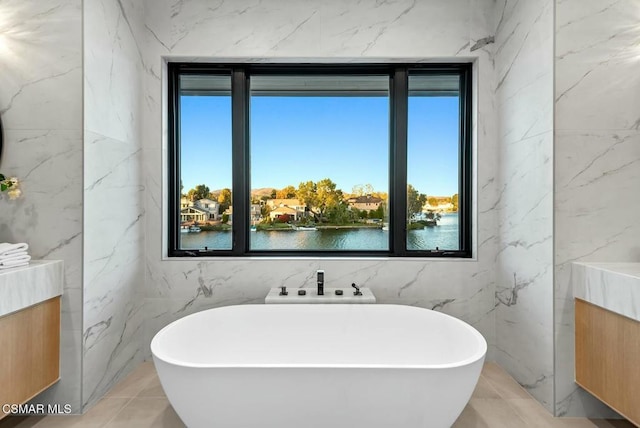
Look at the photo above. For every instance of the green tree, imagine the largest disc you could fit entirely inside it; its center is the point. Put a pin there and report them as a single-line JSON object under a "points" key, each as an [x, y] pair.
{"points": [[224, 199], [432, 201], [199, 192], [225, 218], [415, 201], [454, 201], [378, 212], [340, 214]]}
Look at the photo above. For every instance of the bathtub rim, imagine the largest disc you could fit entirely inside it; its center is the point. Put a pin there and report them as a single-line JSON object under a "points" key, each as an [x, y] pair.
{"points": [[479, 354]]}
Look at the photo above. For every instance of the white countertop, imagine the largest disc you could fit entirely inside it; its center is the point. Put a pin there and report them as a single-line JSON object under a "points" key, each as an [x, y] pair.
{"points": [[311, 296], [25, 286], [613, 286]]}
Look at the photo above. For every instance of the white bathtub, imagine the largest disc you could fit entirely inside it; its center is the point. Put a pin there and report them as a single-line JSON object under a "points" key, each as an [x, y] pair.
{"points": [[318, 366]]}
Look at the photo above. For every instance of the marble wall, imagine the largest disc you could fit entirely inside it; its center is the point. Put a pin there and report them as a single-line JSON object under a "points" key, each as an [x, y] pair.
{"points": [[329, 31], [524, 259], [597, 160], [113, 195], [41, 108]]}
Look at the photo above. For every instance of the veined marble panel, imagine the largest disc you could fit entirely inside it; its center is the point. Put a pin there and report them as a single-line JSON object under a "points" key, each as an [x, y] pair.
{"points": [[113, 194], [524, 258], [114, 263], [597, 60], [112, 71], [40, 58]]}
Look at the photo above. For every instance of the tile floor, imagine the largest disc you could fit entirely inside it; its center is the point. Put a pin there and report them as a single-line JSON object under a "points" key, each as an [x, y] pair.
{"points": [[139, 402]]}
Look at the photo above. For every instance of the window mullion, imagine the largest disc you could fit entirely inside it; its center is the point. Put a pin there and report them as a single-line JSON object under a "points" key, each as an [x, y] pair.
{"points": [[398, 167], [174, 154], [240, 156]]}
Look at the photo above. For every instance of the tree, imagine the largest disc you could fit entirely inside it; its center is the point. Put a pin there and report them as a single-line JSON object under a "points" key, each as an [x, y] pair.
{"points": [[224, 199], [286, 193], [340, 214], [328, 196], [378, 212], [199, 192], [307, 193], [415, 201], [273, 194], [265, 210], [454, 201], [432, 201], [362, 189], [225, 218]]}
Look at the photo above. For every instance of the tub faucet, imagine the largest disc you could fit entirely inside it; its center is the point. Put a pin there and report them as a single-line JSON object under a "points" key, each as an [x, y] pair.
{"points": [[320, 282], [357, 292]]}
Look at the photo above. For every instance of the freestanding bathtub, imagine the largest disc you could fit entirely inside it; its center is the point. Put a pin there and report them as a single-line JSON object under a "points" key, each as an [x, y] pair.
{"points": [[318, 366]]}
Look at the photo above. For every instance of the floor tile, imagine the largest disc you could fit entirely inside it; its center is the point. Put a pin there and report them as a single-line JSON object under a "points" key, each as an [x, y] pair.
{"points": [[133, 384], [532, 413], [484, 389], [147, 413], [470, 418], [504, 384], [496, 413], [153, 389]]}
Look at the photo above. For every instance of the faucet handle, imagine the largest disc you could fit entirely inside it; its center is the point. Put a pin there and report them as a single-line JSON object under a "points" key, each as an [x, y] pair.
{"points": [[283, 291], [357, 292]]}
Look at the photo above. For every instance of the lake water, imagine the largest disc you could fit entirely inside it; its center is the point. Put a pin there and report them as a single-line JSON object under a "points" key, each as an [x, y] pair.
{"points": [[444, 236]]}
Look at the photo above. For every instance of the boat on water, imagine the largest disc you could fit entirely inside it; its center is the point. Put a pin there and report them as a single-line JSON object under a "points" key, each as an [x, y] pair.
{"points": [[305, 228], [190, 229], [385, 226], [254, 228]]}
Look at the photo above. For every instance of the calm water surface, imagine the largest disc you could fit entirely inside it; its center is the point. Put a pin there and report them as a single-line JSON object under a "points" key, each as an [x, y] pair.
{"points": [[444, 236]]}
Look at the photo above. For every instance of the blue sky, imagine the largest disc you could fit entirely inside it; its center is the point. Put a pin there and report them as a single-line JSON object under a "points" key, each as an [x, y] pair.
{"points": [[296, 139]]}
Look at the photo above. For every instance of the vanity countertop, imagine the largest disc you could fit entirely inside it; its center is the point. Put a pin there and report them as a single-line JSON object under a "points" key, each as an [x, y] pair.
{"points": [[612, 286], [25, 286]]}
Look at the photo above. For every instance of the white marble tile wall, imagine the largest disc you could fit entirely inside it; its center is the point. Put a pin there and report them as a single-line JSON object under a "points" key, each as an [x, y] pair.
{"points": [[524, 259], [113, 195], [597, 160], [329, 31], [41, 108]]}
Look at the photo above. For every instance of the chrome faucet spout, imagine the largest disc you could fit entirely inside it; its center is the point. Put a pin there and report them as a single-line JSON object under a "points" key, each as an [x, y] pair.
{"points": [[320, 275]]}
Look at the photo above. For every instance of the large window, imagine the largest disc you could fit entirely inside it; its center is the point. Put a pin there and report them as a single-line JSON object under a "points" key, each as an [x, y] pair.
{"points": [[370, 160]]}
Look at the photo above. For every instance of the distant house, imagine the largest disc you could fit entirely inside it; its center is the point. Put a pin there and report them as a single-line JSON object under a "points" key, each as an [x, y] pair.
{"points": [[211, 207], [365, 203], [193, 214], [281, 211], [292, 207], [443, 204], [229, 213], [255, 213], [296, 204], [185, 203]]}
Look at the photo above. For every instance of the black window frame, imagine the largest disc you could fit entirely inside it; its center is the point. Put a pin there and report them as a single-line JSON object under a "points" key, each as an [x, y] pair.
{"points": [[398, 108]]}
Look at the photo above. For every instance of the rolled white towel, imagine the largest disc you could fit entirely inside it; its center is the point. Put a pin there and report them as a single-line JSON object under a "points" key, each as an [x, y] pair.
{"points": [[7, 249], [14, 261]]}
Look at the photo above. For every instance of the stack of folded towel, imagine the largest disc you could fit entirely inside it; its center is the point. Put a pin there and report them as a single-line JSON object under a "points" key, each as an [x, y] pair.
{"points": [[13, 255]]}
